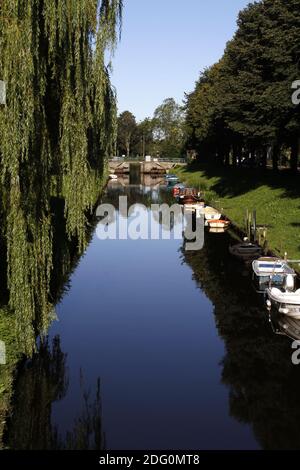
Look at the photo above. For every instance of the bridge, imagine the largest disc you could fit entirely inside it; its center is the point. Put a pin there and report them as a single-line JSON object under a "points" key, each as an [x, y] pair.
{"points": [[154, 167]]}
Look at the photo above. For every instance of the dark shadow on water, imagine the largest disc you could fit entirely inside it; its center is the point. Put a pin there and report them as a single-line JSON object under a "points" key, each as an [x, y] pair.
{"points": [[40, 382], [257, 367]]}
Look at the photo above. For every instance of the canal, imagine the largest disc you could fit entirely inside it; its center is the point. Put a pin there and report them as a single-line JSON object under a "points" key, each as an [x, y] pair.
{"points": [[155, 347]]}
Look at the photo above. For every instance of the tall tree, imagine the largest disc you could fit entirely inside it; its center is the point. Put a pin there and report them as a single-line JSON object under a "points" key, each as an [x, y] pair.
{"points": [[169, 128], [244, 102], [144, 137], [127, 128]]}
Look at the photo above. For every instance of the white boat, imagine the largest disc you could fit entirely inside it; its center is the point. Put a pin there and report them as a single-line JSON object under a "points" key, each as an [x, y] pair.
{"points": [[289, 326], [197, 206], [113, 177], [270, 272], [211, 214], [218, 223], [217, 230], [246, 250], [286, 301]]}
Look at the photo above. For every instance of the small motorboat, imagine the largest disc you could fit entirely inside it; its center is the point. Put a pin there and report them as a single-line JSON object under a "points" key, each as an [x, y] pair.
{"points": [[177, 189], [246, 250], [289, 327], [190, 196], [196, 208], [171, 178], [270, 272], [222, 223], [286, 300], [217, 230], [211, 214], [113, 177]]}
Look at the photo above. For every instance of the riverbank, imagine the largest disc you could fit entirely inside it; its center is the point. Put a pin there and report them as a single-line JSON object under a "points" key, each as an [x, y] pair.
{"points": [[276, 198]]}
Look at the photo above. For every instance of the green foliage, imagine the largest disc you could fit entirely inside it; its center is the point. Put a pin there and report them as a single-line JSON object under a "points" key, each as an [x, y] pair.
{"points": [[144, 139], [57, 129], [169, 129], [276, 199], [127, 130], [243, 103]]}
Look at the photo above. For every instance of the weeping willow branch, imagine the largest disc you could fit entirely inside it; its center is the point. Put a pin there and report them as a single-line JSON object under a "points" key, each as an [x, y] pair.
{"points": [[58, 123]]}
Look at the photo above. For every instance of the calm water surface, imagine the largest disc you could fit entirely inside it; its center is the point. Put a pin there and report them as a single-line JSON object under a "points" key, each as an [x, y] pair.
{"points": [[176, 346]]}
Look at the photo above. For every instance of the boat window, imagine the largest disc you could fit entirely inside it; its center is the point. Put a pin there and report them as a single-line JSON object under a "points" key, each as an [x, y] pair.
{"points": [[271, 266]]}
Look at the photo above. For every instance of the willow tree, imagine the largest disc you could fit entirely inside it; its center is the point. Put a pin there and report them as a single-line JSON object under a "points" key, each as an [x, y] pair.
{"points": [[58, 124]]}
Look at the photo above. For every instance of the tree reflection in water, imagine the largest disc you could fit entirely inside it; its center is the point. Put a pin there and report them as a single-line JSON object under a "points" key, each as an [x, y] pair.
{"points": [[257, 368], [41, 381]]}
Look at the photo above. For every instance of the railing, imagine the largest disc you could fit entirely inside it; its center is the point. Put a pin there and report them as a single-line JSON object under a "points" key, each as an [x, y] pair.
{"points": [[153, 160]]}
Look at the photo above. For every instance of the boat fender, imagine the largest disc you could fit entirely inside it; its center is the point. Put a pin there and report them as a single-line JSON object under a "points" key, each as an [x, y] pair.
{"points": [[284, 311]]}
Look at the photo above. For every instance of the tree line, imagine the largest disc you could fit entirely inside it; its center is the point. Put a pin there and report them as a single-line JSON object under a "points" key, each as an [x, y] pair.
{"points": [[241, 110], [159, 136]]}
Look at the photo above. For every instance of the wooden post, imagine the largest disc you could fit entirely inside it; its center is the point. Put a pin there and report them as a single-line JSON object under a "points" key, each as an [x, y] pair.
{"points": [[266, 247], [2, 92], [246, 221], [254, 225], [249, 226]]}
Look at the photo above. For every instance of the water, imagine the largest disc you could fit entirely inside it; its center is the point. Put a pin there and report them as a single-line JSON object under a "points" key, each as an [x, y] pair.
{"points": [[158, 348]]}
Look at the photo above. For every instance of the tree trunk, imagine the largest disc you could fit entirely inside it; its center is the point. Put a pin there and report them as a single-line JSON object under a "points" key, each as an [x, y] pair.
{"points": [[294, 155], [128, 149], [264, 158], [234, 155], [275, 156], [227, 156]]}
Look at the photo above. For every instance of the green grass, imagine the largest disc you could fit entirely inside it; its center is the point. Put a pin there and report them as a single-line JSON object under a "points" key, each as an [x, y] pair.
{"points": [[275, 197]]}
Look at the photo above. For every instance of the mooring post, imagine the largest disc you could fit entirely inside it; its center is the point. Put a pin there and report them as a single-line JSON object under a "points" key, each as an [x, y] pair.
{"points": [[249, 226], [254, 225], [2, 92], [246, 221]]}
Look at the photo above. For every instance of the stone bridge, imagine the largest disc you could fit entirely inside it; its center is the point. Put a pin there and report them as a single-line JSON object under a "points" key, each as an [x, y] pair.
{"points": [[154, 167]]}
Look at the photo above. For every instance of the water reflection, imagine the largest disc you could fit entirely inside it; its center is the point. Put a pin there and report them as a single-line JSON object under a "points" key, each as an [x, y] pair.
{"points": [[257, 366], [130, 314], [40, 247], [43, 380]]}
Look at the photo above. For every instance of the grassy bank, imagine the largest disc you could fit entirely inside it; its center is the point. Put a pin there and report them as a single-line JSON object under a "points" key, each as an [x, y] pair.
{"points": [[276, 199]]}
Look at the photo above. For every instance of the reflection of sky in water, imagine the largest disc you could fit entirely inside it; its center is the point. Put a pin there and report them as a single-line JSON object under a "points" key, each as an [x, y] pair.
{"points": [[135, 318], [141, 223]]}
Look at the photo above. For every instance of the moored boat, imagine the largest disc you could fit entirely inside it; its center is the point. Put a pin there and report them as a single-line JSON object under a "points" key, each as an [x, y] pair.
{"points": [[190, 196], [270, 272], [246, 250], [286, 300], [217, 230], [210, 213], [222, 223], [177, 189], [289, 327], [113, 176], [171, 178]]}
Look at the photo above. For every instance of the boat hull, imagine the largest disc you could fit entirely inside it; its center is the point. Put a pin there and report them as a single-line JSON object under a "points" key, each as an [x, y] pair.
{"points": [[218, 223], [245, 252], [286, 303]]}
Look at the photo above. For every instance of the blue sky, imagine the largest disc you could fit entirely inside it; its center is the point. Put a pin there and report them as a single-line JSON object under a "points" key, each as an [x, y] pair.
{"points": [[164, 46]]}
